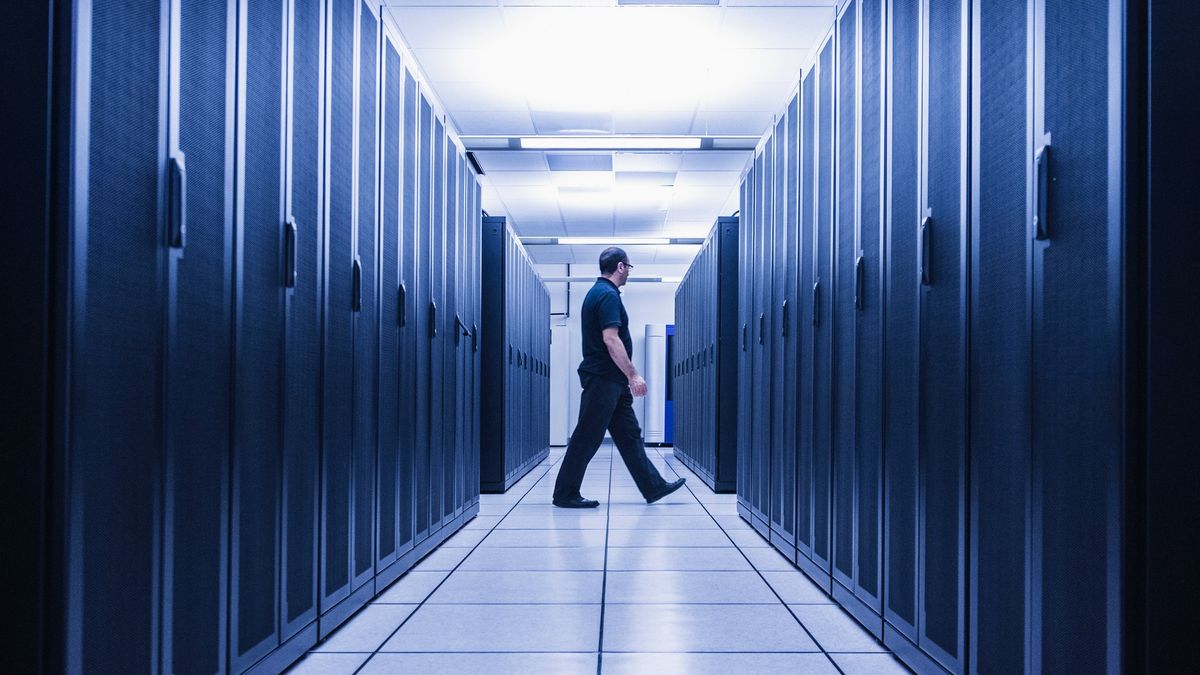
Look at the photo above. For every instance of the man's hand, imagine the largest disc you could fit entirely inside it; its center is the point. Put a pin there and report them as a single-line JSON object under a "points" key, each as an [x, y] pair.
{"points": [[637, 385]]}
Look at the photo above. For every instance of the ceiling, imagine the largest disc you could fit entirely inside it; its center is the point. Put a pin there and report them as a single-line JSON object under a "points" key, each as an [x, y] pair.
{"points": [[513, 68]]}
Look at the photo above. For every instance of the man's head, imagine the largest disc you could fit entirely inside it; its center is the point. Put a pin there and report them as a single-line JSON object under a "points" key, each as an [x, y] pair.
{"points": [[614, 265]]}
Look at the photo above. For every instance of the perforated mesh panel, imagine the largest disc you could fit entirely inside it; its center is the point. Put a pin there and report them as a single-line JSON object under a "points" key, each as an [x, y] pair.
{"points": [[115, 388], [804, 490], [302, 433], [437, 356], [843, 357], [366, 330], [389, 346], [1076, 350], [868, 383], [198, 380], [1000, 343], [339, 345], [901, 330], [408, 335], [424, 279], [822, 441], [450, 386], [942, 358]]}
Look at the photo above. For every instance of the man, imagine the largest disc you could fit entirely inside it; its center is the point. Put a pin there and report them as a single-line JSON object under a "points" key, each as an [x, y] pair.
{"points": [[609, 384]]}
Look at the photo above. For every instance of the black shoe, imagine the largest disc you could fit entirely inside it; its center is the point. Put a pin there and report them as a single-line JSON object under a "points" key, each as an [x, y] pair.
{"points": [[666, 490], [576, 503]]}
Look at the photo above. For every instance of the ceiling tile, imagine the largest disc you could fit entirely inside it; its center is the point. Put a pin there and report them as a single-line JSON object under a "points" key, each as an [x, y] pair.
{"points": [[707, 178], [547, 122], [441, 3], [580, 161], [460, 65], [519, 178], [450, 27], [551, 255], [743, 123], [645, 178], [479, 96], [661, 123], [511, 160], [759, 64], [687, 229], [506, 123], [647, 161], [749, 95], [776, 27], [716, 161]]}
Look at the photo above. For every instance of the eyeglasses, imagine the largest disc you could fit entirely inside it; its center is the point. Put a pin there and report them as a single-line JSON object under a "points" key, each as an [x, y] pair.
{"points": [[627, 265]]}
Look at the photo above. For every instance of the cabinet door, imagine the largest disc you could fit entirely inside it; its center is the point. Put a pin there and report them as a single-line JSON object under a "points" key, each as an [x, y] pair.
{"points": [[744, 373], [758, 337], [780, 344], [389, 480], [366, 329], [450, 323], [900, 350], [823, 334], [845, 252], [868, 384], [302, 359], [198, 391], [424, 277], [258, 337], [943, 312], [1077, 342], [114, 341], [790, 330], [999, 366], [807, 281], [338, 376], [438, 313]]}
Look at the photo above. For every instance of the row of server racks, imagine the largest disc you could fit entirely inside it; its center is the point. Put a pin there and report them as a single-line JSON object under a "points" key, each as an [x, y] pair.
{"points": [[704, 360], [940, 322], [516, 360], [263, 291]]}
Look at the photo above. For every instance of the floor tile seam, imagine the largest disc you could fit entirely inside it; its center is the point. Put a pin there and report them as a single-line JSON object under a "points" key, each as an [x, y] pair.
{"points": [[443, 581], [760, 574], [604, 576]]}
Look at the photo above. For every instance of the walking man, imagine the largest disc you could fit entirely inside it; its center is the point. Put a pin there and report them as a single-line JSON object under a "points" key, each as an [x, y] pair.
{"points": [[609, 384]]}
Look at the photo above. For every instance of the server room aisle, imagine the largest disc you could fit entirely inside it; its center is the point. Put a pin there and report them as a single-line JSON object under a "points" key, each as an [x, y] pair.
{"points": [[682, 586]]}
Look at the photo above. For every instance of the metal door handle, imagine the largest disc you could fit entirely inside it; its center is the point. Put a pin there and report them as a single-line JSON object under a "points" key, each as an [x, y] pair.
{"points": [[433, 331], [858, 283], [289, 252], [356, 286], [401, 303], [785, 308], [177, 191], [816, 303], [1041, 212], [762, 329], [474, 337], [926, 235], [745, 338]]}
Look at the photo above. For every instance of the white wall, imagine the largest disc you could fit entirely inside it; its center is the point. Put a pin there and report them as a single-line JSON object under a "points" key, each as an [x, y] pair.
{"points": [[644, 302]]}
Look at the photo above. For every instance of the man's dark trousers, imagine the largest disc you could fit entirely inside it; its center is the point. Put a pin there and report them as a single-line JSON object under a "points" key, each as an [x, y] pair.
{"points": [[606, 404]]}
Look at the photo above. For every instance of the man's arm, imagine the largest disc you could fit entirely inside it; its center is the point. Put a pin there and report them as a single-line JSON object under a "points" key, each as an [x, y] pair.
{"points": [[616, 350]]}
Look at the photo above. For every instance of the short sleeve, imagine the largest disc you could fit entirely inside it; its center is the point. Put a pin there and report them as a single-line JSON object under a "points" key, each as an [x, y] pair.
{"points": [[608, 311]]}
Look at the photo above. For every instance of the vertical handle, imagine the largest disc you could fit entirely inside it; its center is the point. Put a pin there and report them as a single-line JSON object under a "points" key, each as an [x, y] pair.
{"points": [[926, 235], [1041, 212], [177, 195], [401, 303], [745, 337], [458, 325], [356, 286], [762, 329], [433, 331], [474, 337], [858, 283], [785, 308], [816, 303], [289, 252]]}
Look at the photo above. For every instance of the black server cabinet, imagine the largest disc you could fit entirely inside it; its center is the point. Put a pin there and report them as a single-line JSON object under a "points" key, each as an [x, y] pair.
{"points": [[807, 281], [705, 371], [1001, 246], [198, 344], [901, 288], [745, 375], [341, 296], [778, 343], [258, 336], [437, 328], [303, 276], [868, 302], [514, 336], [450, 323], [845, 254], [788, 249], [423, 276]]}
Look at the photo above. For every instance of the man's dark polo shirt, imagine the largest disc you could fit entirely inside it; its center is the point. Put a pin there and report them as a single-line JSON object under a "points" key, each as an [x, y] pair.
{"points": [[602, 308]]}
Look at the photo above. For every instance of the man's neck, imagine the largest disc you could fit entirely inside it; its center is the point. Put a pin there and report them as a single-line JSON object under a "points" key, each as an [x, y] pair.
{"points": [[609, 279]]}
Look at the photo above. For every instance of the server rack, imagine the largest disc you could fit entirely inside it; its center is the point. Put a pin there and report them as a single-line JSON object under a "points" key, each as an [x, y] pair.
{"points": [[704, 356], [235, 306], [967, 270], [515, 360]]}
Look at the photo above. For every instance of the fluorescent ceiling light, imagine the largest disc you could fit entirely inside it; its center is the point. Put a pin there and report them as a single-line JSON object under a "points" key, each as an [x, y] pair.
{"points": [[671, 280], [609, 241], [610, 143]]}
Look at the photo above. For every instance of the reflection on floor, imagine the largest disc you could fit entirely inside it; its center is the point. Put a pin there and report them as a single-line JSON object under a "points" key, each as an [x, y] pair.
{"points": [[681, 586]]}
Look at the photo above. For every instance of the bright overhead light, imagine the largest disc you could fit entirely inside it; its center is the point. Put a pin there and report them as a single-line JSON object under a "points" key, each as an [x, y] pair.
{"points": [[608, 241], [671, 280], [610, 143]]}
